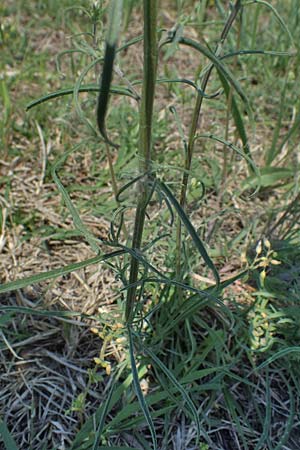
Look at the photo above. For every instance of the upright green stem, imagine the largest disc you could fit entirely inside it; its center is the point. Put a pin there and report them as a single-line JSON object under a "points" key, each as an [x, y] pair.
{"points": [[145, 145], [192, 133], [228, 111]]}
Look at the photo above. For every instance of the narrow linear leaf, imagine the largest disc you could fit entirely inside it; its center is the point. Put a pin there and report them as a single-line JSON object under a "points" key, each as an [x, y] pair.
{"points": [[235, 414], [88, 427], [259, 52], [93, 242], [104, 412], [277, 15], [116, 448], [126, 186], [240, 152], [291, 414], [180, 129], [43, 276], [44, 313], [280, 354], [139, 392], [191, 230], [180, 388], [189, 83], [83, 88], [77, 86], [294, 128], [269, 176], [68, 52], [107, 73], [128, 44], [267, 425], [7, 438], [218, 64], [272, 151], [4, 93], [238, 120]]}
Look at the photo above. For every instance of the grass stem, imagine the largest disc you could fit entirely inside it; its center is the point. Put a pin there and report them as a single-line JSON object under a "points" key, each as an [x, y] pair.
{"points": [[145, 144], [192, 133]]}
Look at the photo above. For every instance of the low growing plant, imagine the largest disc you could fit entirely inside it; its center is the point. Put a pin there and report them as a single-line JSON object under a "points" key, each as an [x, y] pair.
{"points": [[160, 309]]}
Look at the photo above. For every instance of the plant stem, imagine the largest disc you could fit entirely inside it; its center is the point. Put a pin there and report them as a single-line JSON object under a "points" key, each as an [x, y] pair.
{"points": [[192, 133], [145, 145], [114, 185], [228, 113]]}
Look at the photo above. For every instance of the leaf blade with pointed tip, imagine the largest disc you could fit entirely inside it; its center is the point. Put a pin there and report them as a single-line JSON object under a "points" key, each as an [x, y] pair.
{"points": [[107, 73], [7, 438], [191, 230], [139, 392]]}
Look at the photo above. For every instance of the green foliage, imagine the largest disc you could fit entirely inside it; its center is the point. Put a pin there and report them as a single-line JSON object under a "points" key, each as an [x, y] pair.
{"points": [[201, 351]]}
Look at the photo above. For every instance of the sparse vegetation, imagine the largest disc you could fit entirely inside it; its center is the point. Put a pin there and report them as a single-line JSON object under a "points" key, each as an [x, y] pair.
{"points": [[149, 226]]}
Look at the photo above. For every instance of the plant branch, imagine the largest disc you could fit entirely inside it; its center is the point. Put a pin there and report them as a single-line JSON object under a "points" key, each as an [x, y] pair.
{"points": [[145, 145]]}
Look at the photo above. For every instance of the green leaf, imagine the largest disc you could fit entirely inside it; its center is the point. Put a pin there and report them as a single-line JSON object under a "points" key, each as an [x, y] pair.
{"points": [[116, 448], [190, 229], [107, 73], [6, 101], [278, 17], [93, 242], [178, 386], [238, 120], [86, 433], [269, 176], [236, 414], [280, 354], [219, 65], [233, 147], [7, 438], [102, 418], [82, 88], [43, 276], [139, 392]]}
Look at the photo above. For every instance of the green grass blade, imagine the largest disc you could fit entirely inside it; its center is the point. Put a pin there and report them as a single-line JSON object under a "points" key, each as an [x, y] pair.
{"points": [[178, 386], [139, 392], [87, 429], [291, 414], [13, 310], [236, 414], [7, 438], [277, 15], [189, 83], [107, 73], [93, 242], [77, 86], [43, 276], [180, 129], [259, 52], [269, 176], [104, 412], [233, 147], [239, 123], [116, 448], [262, 442], [294, 128], [190, 229], [272, 151], [83, 88], [4, 93], [278, 355], [218, 64]]}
